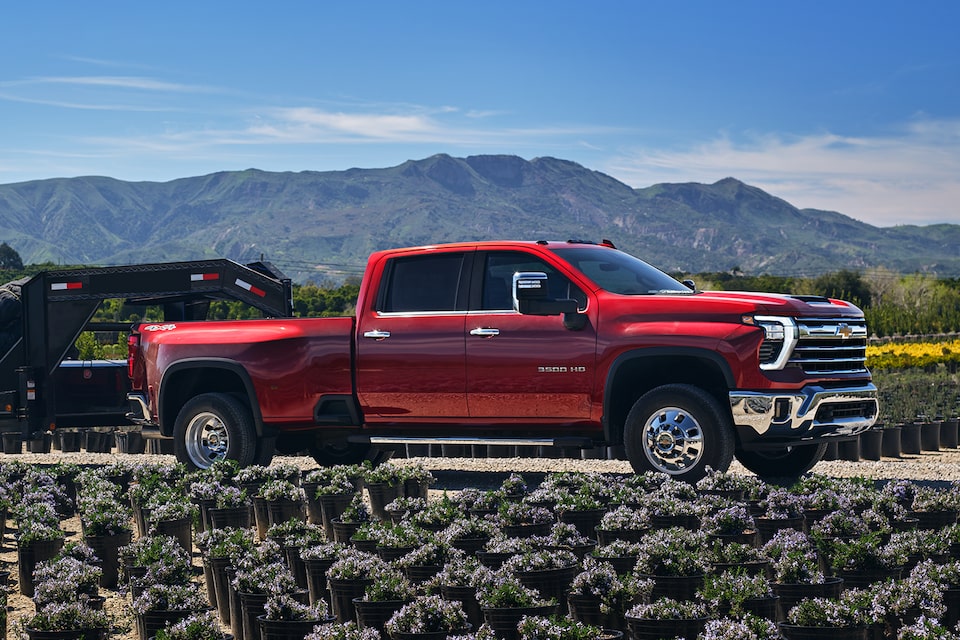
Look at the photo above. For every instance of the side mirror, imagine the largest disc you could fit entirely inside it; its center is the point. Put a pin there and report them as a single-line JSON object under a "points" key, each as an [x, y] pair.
{"points": [[530, 298], [690, 284]]}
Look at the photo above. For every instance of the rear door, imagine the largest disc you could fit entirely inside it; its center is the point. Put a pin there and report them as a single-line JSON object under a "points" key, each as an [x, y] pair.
{"points": [[410, 350]]}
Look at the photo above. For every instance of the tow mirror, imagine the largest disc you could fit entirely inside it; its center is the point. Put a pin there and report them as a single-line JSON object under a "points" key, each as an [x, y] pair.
{"points": [[530, 298]]}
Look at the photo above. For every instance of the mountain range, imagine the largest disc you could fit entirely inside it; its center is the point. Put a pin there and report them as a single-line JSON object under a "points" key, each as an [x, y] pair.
{"points": [[319, 225]]}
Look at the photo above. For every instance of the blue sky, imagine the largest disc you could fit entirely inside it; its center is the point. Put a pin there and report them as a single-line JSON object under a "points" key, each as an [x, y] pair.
{"points": [[845, 106]]}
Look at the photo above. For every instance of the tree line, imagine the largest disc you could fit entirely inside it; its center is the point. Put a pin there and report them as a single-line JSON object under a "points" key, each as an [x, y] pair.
{"points": [[893, 304]]}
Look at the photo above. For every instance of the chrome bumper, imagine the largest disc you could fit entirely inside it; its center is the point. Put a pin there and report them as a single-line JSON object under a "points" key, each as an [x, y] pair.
{"points": [[812, 410]]}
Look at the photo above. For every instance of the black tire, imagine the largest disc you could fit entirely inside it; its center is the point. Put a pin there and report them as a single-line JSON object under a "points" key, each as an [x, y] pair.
{"points": [[790, 462], [214, 426], [329, 453], [680, 430]]}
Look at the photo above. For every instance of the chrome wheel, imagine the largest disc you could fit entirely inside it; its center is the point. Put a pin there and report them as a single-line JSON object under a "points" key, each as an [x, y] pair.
{"points": [[673, 440], [207, 439], [212, 427]]}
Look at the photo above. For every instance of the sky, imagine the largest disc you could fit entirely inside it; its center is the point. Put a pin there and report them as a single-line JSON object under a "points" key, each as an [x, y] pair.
{"points": [[848, 106]]}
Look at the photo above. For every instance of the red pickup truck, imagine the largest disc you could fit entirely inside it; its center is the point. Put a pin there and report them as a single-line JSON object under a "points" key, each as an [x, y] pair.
{"points": [[564, 343]]}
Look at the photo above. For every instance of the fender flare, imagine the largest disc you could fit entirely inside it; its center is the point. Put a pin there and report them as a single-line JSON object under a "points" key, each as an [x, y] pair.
{"points": [[648, 353], [225, 364]]}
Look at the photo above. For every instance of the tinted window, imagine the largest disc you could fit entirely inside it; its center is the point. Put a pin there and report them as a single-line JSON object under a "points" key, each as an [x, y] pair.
{"points": [[619, 272], [499, 268], [423, 283]]}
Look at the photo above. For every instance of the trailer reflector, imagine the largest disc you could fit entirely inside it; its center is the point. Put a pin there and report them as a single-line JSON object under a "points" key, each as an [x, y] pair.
{"points": [[63, 286], [249, 287], [198, 277]]}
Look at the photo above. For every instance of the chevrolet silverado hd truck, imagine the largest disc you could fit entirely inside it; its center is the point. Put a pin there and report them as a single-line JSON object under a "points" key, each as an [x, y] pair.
{"points": [[563, 343]]}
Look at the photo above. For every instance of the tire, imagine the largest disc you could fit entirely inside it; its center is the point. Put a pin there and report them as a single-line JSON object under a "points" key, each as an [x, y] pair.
{"points": [[329, 453], [680, 430], [214, 426], [791, 462]]}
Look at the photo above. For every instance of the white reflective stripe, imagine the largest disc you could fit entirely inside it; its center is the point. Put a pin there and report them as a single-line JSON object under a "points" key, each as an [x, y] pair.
{"points": [[244, 285], [197, 277], [63, 286]]}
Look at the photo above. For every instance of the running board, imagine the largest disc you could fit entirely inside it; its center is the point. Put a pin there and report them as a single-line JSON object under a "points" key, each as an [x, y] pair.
{"points": [[571, 442]]}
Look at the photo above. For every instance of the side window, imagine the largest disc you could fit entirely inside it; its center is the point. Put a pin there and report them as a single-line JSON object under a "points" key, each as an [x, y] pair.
{"points": [[499, 267], [423, 283]]}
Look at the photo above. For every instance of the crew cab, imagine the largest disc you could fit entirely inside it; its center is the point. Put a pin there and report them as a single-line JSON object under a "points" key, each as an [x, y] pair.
{"points": [[551, 342]]}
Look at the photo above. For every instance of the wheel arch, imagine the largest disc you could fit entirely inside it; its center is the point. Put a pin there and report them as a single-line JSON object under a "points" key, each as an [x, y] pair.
{"points": [[185, 379], [634, 373]]}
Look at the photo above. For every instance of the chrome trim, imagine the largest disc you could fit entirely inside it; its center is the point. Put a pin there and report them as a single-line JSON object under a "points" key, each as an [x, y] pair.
{"points": [[376, 335], [485, 332], [584, 443], [790, 338], [418, 314], [143, 417], [759, 410]]}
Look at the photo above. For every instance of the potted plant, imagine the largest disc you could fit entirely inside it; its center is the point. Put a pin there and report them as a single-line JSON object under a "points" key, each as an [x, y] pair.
{"points": [[862, 561], [202, 625], [547, 571], [352, 517], [231, 508], [841, 617], [428, 618], [504, 600], [66, 621], [796, 569], [749, 627], [732, 523], [600, 596], [676, 559], [286, 618], [342, 631], [560, 628], [667, 618], [424, 562], [469, 534], [285, 500], [735, 593], [65, 579], [623, 523], [731, 555], [520, 519], [348, 578], [619, 553], [388, 591], [163, 604], [459, 579], [317, 557], [782, 509]]}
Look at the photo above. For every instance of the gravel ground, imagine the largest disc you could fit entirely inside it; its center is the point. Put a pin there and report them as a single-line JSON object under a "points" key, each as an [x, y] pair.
{"points": [[938, 468]]}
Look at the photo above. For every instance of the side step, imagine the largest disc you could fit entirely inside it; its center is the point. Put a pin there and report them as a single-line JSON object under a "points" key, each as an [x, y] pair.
{"points": [[565, 442]]}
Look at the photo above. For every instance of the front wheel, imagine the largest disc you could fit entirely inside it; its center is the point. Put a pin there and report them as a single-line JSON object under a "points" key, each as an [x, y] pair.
{"points": [[789, 462], [680, 430], [211, 427]]}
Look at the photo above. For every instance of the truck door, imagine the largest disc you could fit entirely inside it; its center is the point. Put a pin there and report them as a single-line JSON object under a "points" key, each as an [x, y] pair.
{"points": [[521, 366], [410, 350]]}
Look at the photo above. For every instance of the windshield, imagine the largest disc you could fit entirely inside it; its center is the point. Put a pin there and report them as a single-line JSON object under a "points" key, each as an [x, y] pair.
{"points": [[619, 272]]}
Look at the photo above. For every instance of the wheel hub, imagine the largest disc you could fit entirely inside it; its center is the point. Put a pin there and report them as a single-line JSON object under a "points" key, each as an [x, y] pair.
{"points": [[673, 439], [206, 439]]}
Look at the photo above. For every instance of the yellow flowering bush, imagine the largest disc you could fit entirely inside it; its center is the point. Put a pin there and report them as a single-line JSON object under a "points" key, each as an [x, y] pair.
{"points": [[895, 355]]}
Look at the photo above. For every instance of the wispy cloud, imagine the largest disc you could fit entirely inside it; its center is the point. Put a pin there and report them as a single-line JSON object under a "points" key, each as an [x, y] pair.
{"points": [[911, 175], [116, 82]]}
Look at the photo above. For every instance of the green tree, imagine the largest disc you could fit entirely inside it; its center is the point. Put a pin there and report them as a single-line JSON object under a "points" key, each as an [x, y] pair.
{"points": [[9, 258]]}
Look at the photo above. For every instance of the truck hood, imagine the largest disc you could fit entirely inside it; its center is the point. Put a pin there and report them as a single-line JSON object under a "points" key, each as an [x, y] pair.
{"points": [[781, 304]]}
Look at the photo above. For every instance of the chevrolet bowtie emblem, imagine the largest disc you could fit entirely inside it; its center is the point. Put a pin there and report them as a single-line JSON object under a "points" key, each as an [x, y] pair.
{"points": [[844, 330]]}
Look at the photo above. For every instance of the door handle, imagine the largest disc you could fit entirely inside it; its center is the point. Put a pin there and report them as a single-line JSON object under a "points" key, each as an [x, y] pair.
{"points": [[485, 332], [376, 335]]}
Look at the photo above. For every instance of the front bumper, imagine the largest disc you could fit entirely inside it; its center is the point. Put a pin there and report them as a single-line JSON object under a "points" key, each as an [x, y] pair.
{"points": [[808, 415]]}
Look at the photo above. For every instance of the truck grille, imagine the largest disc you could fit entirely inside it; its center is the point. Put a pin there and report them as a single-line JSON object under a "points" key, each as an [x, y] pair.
{"points": [[831, 346]]}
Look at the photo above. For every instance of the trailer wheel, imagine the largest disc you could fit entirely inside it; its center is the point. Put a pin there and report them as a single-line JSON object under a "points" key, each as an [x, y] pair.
{"points": [[789, 462], [211, 427], [680, 430]]}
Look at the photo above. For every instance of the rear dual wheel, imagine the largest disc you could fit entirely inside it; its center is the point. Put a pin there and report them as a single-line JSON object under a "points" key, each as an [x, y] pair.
{"points": [[215, 426]]}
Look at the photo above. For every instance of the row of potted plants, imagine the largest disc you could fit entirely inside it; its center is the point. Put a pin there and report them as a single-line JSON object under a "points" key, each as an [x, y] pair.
{"points": [[440, 536]]}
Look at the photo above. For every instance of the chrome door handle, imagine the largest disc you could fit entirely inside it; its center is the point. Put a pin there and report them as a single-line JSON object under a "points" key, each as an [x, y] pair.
{"points": [[485, 332], [376, 335]]}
